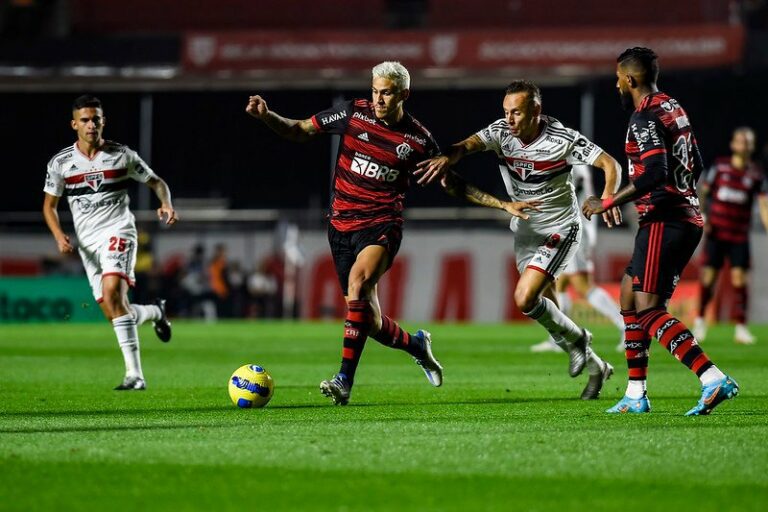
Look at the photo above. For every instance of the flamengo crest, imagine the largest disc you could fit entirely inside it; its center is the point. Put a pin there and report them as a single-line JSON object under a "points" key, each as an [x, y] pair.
{"points": [[403, 151]]}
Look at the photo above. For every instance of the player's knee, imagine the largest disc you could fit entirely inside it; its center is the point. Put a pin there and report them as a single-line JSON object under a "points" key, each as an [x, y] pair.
{"points": [[360, 286], [738, 277], [114, 301], [525, 299]]}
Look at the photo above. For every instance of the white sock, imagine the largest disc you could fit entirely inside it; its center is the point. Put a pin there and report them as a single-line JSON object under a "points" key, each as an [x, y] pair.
{"points": [[712, 374], [636, 388], [559, 341], [594, 363], [554, 321], [565, 302], [143, 313], [128, 339], [604, 303]]}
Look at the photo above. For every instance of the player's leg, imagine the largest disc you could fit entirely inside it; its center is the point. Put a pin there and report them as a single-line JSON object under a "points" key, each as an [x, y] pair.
{"points": [[95, 257], [338, 387], [713, 258], [361, 258], [540, 261], [154, 313], [636, 344], [383, 328], [115, 303], [118, 260], [740, 263], [674, 244], [599, 370], [599, 299], [419, 344], [558, 294]]}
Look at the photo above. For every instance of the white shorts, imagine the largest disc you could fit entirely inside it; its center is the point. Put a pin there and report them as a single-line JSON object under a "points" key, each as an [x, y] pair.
{"points": [[550, 252], [582, 261], [109, 256]]}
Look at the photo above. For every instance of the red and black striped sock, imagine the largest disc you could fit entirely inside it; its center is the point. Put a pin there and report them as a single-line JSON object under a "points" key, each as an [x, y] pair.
{"points": [[675, 337], [705, 296], [392, 335], [356, 326], [636, 346], [740, 304]]}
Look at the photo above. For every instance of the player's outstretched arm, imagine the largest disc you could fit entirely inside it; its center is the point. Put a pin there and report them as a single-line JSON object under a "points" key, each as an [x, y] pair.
{"points": [[291, 129], [612, 170], [51, 215], [457, 187], [166, 211], [438, 166]]}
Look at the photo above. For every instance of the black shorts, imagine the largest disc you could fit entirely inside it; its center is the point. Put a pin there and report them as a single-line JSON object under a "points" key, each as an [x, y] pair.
{"points": [[662, 250], [346, 245], [716, 251]]}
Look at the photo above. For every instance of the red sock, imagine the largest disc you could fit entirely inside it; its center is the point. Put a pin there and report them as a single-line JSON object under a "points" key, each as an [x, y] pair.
{"points": [[740, 304], [392, 335], [356, 327], [675, 337], [636, 345]]}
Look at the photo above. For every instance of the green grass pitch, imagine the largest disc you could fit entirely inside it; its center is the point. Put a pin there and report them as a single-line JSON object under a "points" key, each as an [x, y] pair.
{"points": [[505, 432]]}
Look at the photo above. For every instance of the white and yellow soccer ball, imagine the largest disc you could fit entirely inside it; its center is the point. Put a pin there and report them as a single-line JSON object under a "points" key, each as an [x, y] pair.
{"points": [[251, 386]]}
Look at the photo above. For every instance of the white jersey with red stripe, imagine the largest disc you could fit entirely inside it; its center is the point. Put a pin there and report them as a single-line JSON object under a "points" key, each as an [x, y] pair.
{"points": [[97, 188], [541, 170]]}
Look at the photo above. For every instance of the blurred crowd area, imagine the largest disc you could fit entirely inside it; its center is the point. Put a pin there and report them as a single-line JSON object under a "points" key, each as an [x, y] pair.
{"points": [[202, 284]]}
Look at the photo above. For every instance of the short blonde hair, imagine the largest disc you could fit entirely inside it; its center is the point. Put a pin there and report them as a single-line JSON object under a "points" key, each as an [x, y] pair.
{"points": [[392, 70]]}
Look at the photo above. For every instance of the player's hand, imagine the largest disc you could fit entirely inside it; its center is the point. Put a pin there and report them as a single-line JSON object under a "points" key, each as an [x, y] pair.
{"points": [[167, 214], [431, 169], [64, 244], [257, 107], [516, 208], [612, 217], [592, 206]]}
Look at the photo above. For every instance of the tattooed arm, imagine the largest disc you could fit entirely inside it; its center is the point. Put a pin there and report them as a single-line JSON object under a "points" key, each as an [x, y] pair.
{"points": [[457, 187]]}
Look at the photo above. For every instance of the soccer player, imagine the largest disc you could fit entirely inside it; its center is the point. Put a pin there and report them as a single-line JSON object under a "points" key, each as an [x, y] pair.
{"points": [[664, 165], [536, 153], [94, 174], [380, 146], [729, 189], [579, 274]]}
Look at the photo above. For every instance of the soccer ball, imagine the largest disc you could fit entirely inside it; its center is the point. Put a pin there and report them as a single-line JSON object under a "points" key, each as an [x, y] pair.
{"points": [[250, 386]]}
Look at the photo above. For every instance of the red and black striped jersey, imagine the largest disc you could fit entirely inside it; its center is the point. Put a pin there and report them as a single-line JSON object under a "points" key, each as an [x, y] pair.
{"points": [[660, 143], [374, 165], [731, 194]]}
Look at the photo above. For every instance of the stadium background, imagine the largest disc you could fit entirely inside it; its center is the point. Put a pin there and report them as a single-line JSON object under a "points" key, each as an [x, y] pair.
{"points": [[174, 78]]}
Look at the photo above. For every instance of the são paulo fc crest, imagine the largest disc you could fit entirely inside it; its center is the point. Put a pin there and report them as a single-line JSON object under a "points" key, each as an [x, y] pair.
{"points": [[94, 180], [552, 240], [404, 150]]}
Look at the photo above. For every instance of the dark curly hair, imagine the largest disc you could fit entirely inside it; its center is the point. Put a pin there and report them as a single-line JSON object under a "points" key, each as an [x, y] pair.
{"points": [[642, 58]]}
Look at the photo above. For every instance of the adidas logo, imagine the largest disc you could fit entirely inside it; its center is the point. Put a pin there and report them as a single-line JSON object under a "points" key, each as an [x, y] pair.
{"points": [[363, 136]]}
